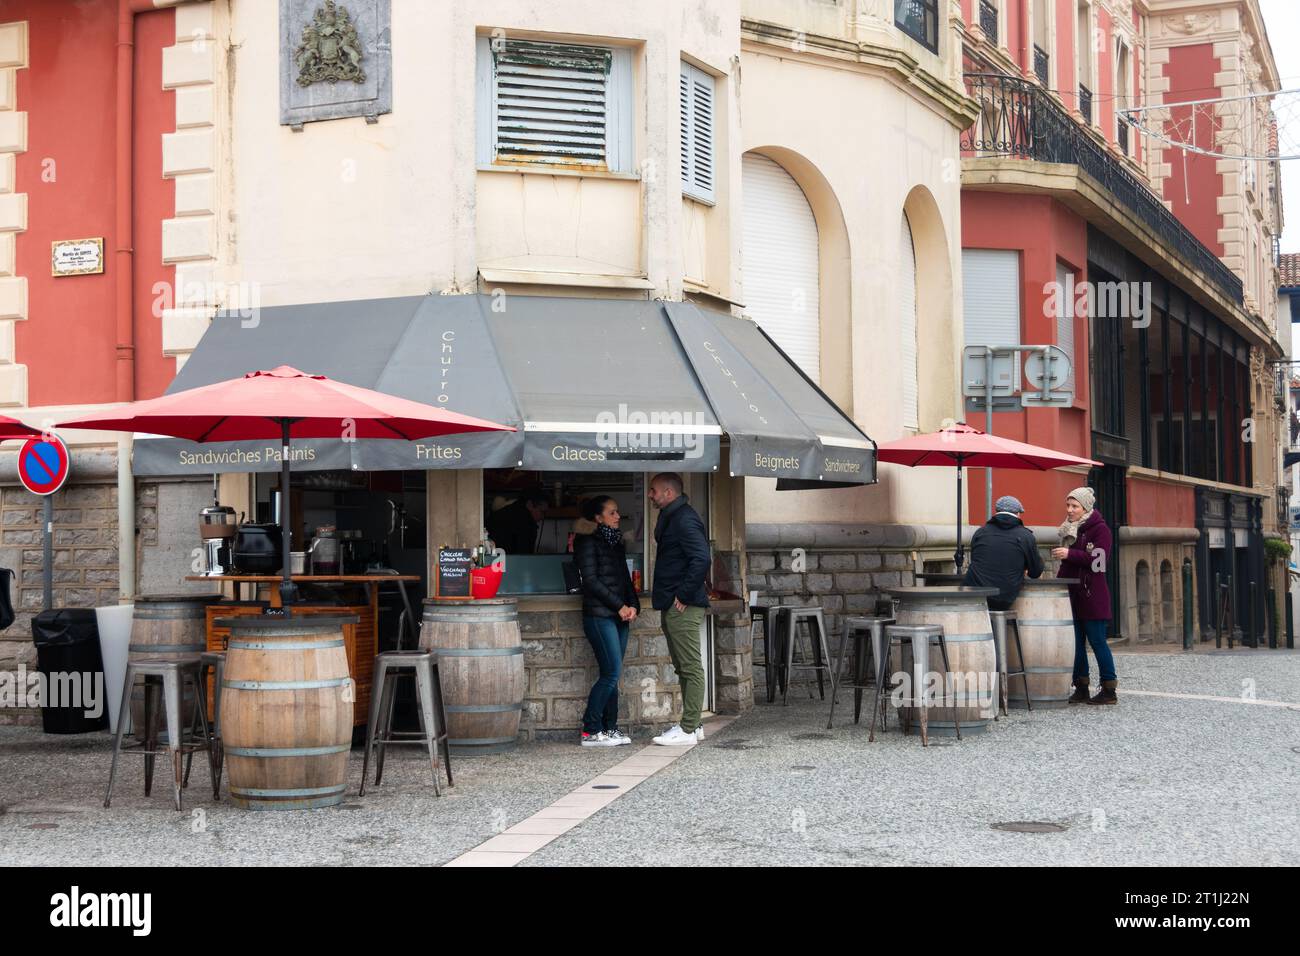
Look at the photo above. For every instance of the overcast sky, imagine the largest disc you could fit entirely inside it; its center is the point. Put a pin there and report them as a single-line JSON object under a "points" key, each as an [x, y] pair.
{"points": [[1282, 20]]}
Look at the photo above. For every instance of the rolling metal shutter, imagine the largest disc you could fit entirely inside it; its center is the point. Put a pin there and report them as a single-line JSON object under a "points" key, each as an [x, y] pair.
{"points": [[779, 252], [907, 327], [1065, 316], [991, 296]]}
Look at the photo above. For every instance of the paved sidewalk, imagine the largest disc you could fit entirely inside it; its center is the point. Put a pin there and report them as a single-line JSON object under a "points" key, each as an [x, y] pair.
{"points": [[1158, 780]]}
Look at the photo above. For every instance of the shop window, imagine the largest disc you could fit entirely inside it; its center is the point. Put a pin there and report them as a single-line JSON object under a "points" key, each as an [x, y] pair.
{"points": [[554, 105], [697, 88], [919, 19], [533, 515]]}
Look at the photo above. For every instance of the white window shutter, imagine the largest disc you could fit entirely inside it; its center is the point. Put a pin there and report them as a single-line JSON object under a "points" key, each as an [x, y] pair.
{"points": [[696, 90], [1065, 316], [907, 327], [780, 261], [991, 296]]}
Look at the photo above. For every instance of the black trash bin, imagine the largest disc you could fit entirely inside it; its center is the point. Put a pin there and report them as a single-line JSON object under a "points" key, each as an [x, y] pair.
{"points": [[67, 655]]}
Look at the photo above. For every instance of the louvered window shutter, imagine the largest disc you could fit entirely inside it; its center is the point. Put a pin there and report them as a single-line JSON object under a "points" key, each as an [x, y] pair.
{"points": [[1065, 317], [551, 103], [696, 90]]}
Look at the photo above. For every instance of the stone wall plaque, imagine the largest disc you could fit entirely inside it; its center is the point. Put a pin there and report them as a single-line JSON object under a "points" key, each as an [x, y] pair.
{"points": [[335, 60], [77, 257]]}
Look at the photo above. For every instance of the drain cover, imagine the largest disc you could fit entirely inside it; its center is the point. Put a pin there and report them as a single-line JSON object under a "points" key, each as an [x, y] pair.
{"points": [[1029, 826], [742, 744], [812, 737], [604, 786], [803, 766], [43, 826]]}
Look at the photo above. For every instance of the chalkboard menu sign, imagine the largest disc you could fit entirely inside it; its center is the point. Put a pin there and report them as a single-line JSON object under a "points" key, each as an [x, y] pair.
{"points": [[454, 566]]}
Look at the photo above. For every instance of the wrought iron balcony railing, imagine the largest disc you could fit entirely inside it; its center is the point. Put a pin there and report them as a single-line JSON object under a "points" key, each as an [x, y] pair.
{"points": [[1041, 61], [989, 20], [1085, 103], [1021, 121]]}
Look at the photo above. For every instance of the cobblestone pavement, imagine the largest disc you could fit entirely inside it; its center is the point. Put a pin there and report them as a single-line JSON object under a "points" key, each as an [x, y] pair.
{"points": [[1158, 780]]}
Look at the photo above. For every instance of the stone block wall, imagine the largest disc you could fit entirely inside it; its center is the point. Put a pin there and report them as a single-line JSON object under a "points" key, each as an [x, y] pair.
{"points": [[560, 669], [842, 583]]}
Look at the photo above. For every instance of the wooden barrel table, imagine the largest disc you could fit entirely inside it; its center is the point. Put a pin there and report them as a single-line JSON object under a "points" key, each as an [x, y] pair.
{"points": [[167, 627], [286, 711], [1047, 636], [972, 684], [481, 664]]}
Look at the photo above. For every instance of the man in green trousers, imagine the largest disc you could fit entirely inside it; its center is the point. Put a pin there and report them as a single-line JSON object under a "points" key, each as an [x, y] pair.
{"points": [[681, 597]]}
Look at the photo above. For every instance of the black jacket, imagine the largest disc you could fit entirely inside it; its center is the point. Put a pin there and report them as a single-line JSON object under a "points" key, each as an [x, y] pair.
{"points": [[682, 561], [606, 585], [512, 528], [1000, 554]]}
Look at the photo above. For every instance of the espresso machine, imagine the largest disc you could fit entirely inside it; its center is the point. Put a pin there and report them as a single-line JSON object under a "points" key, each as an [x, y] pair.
{"points": [[217, 527]]}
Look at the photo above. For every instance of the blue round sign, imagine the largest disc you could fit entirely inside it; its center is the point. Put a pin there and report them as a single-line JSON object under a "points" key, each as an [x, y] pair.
{"points": [[43, 465]]}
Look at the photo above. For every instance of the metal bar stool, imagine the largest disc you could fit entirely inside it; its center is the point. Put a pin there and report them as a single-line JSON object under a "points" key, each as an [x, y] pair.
{"points": [[859, 630], [920, 637], [389, 666], [1001, 621], [790, 618], [163, 682], [215, 662], [764, 616]]}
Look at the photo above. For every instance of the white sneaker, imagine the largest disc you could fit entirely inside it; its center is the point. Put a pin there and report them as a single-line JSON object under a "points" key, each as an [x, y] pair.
{"points": [[601, 739], [618, 737], [674, 736], [699, 732]]}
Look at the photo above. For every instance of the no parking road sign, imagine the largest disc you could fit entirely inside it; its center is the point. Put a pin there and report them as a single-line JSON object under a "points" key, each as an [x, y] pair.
{"points": [[43, 465]]}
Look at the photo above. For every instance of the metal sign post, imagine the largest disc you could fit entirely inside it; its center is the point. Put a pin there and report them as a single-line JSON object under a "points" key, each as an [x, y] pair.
{"points": [[43, 468]]}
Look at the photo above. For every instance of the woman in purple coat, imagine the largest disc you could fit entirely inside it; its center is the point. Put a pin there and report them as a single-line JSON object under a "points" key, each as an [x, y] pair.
{"points": [[1084, 554]]}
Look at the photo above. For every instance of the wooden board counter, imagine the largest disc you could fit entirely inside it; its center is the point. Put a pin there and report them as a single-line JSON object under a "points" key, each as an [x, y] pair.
{"points": [[360, 639]]}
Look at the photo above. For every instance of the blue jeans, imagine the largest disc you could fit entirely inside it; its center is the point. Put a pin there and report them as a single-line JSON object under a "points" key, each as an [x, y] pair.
{"points": [[608, 636], [1094, 633]]}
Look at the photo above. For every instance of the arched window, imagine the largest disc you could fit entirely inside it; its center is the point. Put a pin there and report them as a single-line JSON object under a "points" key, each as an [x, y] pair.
{"points": [[907, 326], [781, 268]]}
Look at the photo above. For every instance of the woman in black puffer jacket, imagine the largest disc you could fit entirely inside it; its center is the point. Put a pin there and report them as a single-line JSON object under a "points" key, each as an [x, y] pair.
{"points": [[609, 605]]}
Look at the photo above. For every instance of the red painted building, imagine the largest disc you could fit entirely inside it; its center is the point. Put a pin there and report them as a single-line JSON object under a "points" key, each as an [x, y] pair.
{"points": [[1170, 389]]}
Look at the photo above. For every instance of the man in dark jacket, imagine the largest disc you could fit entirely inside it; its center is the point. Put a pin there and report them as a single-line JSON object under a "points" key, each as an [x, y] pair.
{"points": [[1002, 552], [681, 598]]}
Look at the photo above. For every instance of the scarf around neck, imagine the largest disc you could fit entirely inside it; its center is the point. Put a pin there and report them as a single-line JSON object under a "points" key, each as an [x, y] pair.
{"points": [[1069, 530], [611, 536]]}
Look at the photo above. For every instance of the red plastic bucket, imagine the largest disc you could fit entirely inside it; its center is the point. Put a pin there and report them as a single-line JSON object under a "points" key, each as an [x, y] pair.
{"points": [[484, 582]]}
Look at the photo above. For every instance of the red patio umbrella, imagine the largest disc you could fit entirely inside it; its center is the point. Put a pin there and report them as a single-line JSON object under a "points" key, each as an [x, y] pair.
{"points": [[12, 428], [284, 403], [968, 447]]}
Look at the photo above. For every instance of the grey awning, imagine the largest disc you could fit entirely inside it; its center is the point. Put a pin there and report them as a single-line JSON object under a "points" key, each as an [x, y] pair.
{"points": [[589, 383], [600, 384], [348, 341], [781, 425]]}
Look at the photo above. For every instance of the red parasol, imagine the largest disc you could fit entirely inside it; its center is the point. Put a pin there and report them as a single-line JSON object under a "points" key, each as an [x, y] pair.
{"points": [[12, 428], [284, 403], [968, 447]]}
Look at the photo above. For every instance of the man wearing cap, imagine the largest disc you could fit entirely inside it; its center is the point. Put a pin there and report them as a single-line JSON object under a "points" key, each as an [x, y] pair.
{"points": [[1002, 553]]}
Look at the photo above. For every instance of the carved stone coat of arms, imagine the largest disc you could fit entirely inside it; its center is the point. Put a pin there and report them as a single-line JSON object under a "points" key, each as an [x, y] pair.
{"points": [[330, 50]]}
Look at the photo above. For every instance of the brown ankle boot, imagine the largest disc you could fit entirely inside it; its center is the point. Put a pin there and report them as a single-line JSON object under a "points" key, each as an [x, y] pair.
{"points": [[1107, 693], [1080, 695]]}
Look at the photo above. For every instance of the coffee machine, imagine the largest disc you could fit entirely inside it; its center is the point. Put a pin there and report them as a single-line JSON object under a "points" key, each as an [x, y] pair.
{"points": [[218, 528]]}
